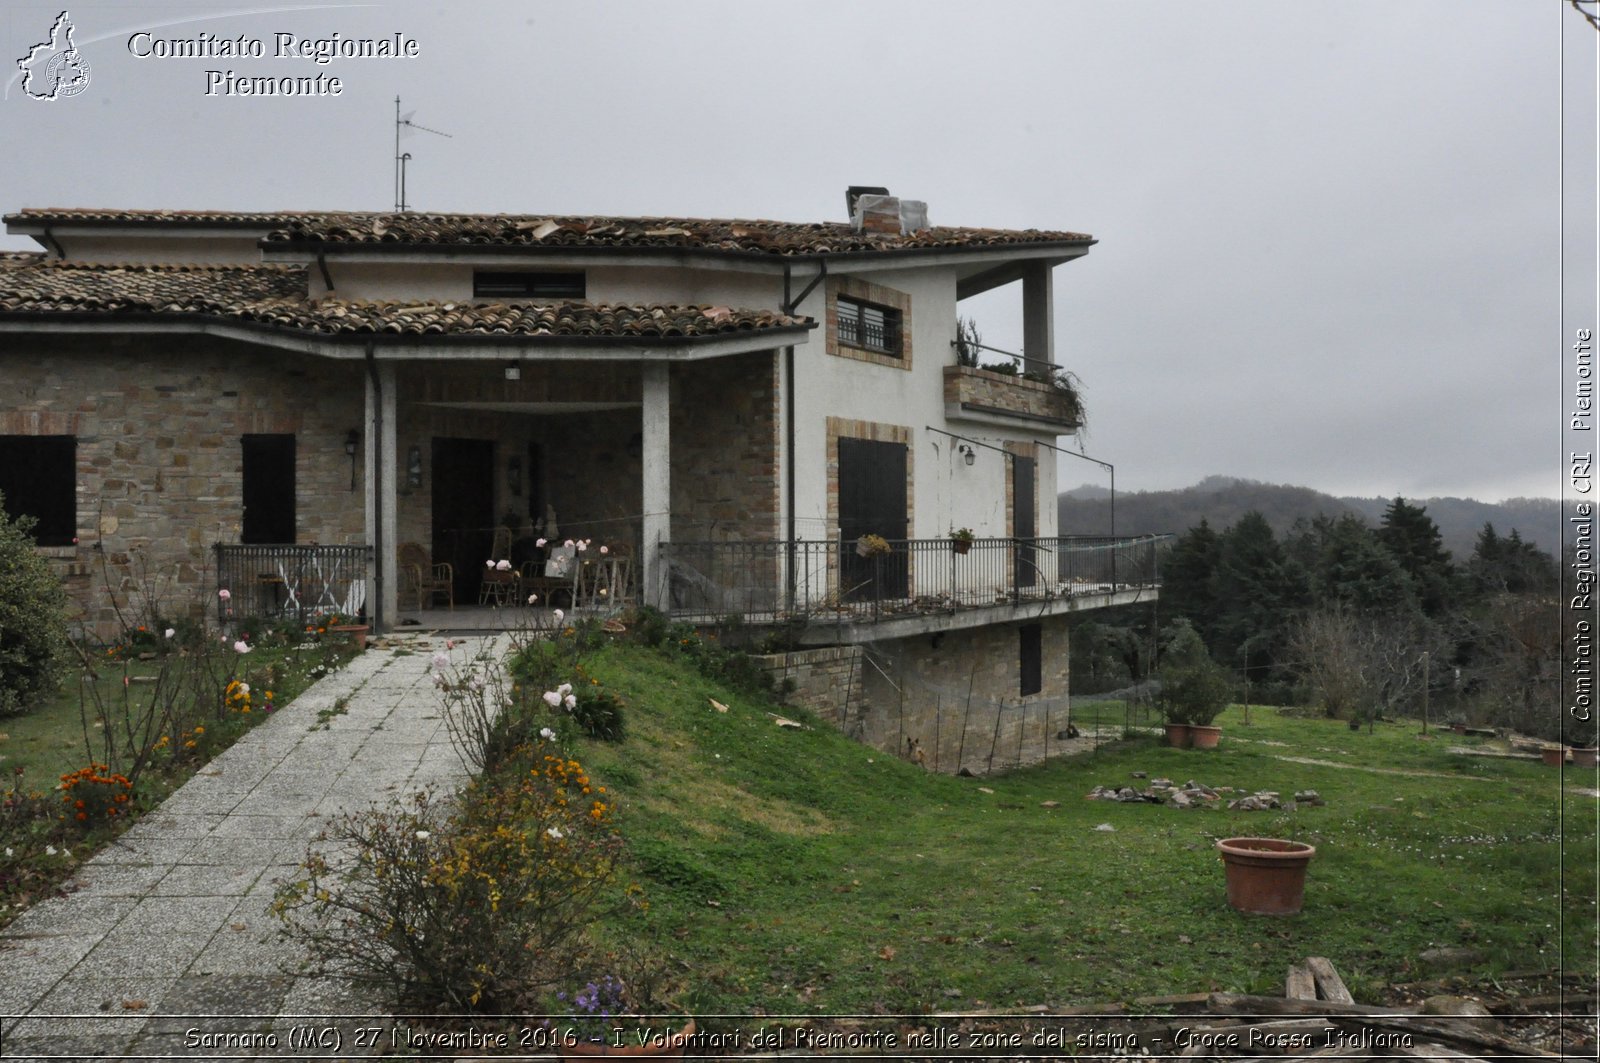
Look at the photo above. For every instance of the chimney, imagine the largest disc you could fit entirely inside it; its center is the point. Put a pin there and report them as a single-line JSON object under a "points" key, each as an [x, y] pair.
{"points": [[855, 192], [874, 210]]}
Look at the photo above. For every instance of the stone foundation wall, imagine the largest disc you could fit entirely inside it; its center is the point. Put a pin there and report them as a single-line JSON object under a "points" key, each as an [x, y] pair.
{"points": [[826, 681], [725, 449], [950, 701], [159, 460]]}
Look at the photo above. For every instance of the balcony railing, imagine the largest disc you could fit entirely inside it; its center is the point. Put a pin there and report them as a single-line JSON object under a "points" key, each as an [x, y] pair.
{"points": [[824, 581], [287, 580]]}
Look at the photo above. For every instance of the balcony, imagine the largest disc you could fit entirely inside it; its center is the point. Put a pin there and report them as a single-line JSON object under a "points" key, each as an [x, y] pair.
{"points": [[1013, 389], [832, 594]]}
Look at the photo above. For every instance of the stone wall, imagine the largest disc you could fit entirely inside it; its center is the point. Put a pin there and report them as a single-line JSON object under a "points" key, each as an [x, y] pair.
{"points": [[950, 701], [826, 681], [987, 391], [725, 449], [158, 423]]}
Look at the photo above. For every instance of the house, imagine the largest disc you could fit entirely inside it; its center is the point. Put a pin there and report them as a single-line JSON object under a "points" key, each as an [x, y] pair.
{"points": [[277, 403]]}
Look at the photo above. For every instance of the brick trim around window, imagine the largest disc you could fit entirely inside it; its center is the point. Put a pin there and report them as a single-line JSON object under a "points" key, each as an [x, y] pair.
{"points": [[877, 294]]}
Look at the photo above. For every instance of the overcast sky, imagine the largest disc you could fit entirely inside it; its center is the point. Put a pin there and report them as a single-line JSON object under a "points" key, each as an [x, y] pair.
{"points": [[1330, 234]]}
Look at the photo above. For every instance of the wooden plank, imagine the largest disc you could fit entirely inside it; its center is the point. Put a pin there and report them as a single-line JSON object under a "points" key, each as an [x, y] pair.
{"points": [[1329, 985], [1300, 985], [1439, 1027]]}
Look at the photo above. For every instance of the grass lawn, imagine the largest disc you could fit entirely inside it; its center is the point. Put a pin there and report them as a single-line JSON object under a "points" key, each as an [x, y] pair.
{"points": [[39, 844], [797, 871]]}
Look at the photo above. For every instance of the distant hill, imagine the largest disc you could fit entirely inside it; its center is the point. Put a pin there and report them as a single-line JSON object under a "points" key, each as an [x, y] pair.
{"points": [[1222, 500]]}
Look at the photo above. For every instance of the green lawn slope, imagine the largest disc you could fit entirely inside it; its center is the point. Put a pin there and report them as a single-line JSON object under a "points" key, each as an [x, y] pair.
{"points": [[796, 871]]}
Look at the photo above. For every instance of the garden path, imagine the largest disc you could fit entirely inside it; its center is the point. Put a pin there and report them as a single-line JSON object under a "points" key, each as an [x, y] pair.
{"points": [[163, 944]]}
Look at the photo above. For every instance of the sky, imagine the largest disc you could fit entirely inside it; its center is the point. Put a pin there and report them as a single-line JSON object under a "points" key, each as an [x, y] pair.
{"points": [[1340, 245]]}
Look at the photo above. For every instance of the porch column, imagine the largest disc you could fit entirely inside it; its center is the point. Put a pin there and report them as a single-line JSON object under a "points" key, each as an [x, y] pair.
{"points": [[1038, 313], [657, 464], [382, 470]]}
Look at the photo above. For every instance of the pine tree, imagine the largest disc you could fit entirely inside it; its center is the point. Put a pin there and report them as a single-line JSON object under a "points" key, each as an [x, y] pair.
{"points": [[1356, 571], [1186, 588], [1413, 539], [1256, 589]]}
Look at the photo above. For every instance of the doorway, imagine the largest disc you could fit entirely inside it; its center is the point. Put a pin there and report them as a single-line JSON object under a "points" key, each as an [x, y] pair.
{"points": [[872, 501], [267, 488], [463, 508]]}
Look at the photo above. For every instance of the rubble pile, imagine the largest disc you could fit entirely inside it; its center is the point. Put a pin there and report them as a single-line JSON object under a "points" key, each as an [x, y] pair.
{"points": [[1193, 794]]}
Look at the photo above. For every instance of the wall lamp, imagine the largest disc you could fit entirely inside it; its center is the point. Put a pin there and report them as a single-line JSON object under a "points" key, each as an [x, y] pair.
{"points": [[968, 455], [414, 466], [352, 442]]}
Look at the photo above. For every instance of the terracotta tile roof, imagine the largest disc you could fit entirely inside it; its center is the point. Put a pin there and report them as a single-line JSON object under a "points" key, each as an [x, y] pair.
{"points": [[275, 296], [739, 237]]}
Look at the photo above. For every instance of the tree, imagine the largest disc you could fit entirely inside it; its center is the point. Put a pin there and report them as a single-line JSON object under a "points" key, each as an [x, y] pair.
{"points": [[1510, 565], [1413, 539], [1256, 590], [1364, 666], [33, 626], [1186, 578], [1356, 571]]}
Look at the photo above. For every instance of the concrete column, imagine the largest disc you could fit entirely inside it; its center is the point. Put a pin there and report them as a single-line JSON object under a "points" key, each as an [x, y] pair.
{"points": [[382, 473], [657, 466], [1038, 314]]}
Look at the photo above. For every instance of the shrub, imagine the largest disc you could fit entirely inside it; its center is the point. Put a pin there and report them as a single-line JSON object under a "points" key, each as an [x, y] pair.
{"points": [[33, 624], [1194, 688], [480, 908]]}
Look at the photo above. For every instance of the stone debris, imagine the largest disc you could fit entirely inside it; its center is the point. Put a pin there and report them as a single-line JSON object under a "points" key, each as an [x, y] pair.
{"points": [[1194, 794]]}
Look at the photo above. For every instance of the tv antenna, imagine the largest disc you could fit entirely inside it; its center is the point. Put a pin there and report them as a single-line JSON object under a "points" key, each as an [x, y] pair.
{"points": [[403, 124]]}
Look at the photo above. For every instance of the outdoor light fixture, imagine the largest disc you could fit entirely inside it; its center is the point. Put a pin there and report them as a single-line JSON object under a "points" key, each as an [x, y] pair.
{"points": [[968, 455], [352, 440], [513, 371], [414, 466]]}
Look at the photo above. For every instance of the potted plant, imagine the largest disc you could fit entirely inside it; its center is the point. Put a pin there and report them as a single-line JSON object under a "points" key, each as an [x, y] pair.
{"points": [[872, 546], [1585, 757], [961, 540], [1554, 756], [1265, 876], [1194, 690]]}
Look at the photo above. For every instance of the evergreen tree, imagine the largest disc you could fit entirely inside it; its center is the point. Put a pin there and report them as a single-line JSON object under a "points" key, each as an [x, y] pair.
{"points": [[1510, 565], [1186, 587], [1256, 590], [1356, 571], [1413, 539]]}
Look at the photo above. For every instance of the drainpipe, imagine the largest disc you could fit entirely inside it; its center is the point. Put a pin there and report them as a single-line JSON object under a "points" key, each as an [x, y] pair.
{"points": [[375, 443]]}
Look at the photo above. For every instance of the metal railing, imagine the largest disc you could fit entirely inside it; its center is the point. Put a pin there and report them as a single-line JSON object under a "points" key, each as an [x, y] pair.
{"points": [[823, 580], [287, 580], [1040, 369]]}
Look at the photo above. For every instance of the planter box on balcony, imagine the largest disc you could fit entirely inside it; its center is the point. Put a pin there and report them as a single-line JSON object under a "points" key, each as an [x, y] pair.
{"points": [[983, 395]]}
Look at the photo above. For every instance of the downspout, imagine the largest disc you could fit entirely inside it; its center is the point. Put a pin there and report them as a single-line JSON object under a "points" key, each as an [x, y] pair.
{"points": [[376, 443], [322, 264]]}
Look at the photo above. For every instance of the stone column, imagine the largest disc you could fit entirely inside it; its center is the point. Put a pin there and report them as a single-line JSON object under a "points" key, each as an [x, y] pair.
{"points": [[382, 472], [1038, 314], [657, 465]]}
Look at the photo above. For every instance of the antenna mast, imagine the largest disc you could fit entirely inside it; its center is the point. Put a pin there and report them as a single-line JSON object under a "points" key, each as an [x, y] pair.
{"points": [[403, 122]]}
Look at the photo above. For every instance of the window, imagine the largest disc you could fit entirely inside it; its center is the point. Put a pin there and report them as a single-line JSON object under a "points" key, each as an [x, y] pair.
{"points": [[39, 479], [488, 285], [874, 328], [1030, 655]]}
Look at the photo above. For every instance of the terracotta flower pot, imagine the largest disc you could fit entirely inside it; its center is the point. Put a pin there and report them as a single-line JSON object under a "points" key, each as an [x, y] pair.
{"points": [[1204, 737], [1178, 735], [1554, 756], [1459, 728], [670, 1046], [1266, 876], [1585, 758], [357, 632]]}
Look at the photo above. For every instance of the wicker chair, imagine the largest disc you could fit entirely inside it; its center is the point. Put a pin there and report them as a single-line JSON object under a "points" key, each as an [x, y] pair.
{"points": [[424, 577]]}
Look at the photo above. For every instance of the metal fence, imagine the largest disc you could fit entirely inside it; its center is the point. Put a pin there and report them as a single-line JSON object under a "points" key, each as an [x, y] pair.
{"points": [[823, 579], [286, 580]]}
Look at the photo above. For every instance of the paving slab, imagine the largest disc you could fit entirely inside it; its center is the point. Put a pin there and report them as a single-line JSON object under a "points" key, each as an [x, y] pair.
{"points": [[163, 943]]}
